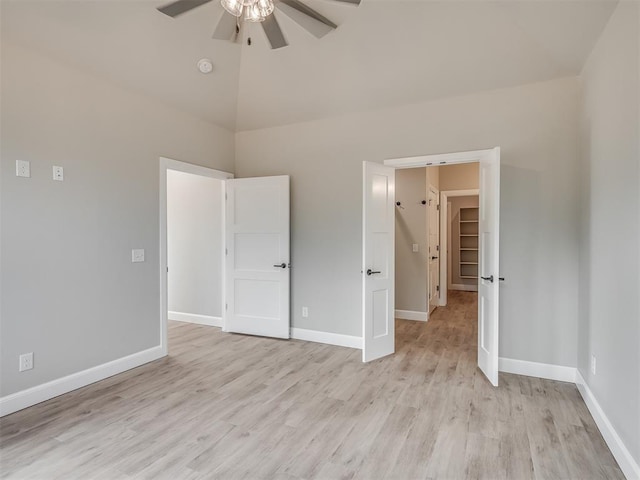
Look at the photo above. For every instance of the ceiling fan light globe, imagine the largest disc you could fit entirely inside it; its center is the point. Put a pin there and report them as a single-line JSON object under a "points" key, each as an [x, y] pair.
{"points": [[252, 14], [265, 7], [234, 7]]}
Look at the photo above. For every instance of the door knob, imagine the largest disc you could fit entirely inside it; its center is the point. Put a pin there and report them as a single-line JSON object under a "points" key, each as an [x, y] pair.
{"points": [[434, 258], [281, 265], [490, 278], [371, 272]]}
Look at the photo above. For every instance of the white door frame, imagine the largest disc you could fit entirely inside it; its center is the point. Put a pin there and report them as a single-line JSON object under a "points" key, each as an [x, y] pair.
{"points": [[487, 156], [432, 189], [444, 237], [169, 164]]}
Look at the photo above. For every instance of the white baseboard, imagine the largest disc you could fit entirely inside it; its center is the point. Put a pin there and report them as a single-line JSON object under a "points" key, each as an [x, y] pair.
{"points": [[411, 315], [40, 393], [464, 288], [195, 318], [325, 337], [535, 369], [627, 464]]}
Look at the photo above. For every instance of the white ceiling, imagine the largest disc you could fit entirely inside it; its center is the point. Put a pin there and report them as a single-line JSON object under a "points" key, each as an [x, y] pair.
{"points": [[384, 53]]}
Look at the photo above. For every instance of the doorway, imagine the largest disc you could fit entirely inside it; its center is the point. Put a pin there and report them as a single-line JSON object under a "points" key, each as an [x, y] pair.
{"points": [[192, 209], [378, 253], [251, 250]]}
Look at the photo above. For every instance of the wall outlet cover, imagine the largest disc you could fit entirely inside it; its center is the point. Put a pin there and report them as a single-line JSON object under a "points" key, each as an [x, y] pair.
{"points": [[58, 173], [26, 362], [23, 168]]}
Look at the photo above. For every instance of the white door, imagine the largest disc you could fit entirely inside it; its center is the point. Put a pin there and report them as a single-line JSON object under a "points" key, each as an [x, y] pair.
{"points": [[378, 261], [488, 283], [257, 256], [434, 250]]}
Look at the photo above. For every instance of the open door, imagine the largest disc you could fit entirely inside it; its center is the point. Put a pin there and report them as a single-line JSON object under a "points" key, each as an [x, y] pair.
{"points": [[433, 224], [257, 256], [489, 268], [378, 274]]}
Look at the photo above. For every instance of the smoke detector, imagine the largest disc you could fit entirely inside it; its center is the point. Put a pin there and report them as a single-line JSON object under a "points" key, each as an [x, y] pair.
{"points": [[205, 66]]}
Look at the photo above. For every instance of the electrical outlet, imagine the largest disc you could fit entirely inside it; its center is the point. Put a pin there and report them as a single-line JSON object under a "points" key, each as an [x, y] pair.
{"points": [[26, 362], [593, 364], [305, 312], [58, 173], [23, 168]]}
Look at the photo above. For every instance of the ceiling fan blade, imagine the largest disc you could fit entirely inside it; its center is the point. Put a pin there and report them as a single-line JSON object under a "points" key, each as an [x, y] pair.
{"points": [[226, 28], [273, 32], [355, 2], [181, 6], [307, 17]]}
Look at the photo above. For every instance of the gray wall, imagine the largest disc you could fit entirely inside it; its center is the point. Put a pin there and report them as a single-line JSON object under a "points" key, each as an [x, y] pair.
{"points": [[537, 128], [411, 227], [609, 325], [194, 244], [70, 293]]}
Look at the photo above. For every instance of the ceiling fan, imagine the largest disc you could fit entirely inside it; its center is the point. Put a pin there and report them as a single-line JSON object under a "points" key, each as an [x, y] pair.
{"points": [[236, 12]]}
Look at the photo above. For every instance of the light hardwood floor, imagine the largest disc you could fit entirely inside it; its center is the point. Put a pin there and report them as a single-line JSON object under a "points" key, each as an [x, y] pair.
{"points": [[229, 406]]}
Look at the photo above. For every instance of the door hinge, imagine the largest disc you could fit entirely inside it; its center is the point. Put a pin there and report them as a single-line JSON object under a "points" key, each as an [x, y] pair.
{"points": [[226, 306], [438, 207], [437, 248], [225, 196], [437, 288], [226, 251]]}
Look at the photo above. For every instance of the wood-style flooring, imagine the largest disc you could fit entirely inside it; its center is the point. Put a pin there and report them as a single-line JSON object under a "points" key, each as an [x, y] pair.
{"points": [[224, 406]]}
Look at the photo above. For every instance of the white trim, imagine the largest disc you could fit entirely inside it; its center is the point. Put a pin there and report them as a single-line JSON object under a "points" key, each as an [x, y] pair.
{"points": [[169, 164], [463, 288], [440, 159], [195, 318], [434, 190], [412, 315], [40, 393], [326, 337], [621, 453], [535, 369], [444, 239]]}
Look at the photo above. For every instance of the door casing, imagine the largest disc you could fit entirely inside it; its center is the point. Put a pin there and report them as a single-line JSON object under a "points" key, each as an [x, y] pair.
{"points": [[169, 164], [480, 156]]}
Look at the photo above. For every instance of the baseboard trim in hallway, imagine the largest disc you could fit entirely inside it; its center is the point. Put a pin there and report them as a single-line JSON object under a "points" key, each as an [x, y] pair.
{"points": [[34, 395], [327, 338], [195, 318], [535, 369], [411, 315], [621, 453]]}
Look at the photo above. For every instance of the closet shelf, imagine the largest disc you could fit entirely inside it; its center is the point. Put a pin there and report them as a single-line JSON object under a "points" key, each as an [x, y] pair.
{"points": [[468, 236]]}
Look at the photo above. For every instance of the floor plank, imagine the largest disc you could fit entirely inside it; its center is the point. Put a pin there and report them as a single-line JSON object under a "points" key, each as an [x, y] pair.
{"points": [[232, 406]]}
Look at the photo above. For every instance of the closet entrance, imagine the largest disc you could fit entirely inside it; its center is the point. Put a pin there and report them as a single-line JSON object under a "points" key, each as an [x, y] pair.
{"points": [[395, 244]]}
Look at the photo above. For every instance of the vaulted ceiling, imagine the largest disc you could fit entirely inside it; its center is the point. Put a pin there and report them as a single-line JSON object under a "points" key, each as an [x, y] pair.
{"points": [[384, 52]]}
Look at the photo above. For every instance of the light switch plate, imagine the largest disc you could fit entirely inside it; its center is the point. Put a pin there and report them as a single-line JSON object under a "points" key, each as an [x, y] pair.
{"points": [[58, 173], [415, 247], [23, 168], [137, 255]]}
